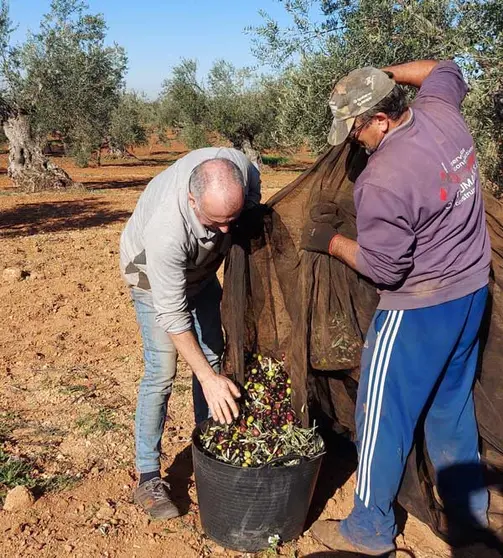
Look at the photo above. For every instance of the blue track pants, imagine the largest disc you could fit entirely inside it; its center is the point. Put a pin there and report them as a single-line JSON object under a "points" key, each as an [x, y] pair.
{"points": [[417, 361]]}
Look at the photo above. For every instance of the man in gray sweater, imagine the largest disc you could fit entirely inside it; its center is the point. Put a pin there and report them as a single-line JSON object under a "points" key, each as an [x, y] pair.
{"points": [[170, 251]]}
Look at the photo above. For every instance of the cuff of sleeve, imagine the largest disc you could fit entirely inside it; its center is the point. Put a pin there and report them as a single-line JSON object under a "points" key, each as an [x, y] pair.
{"points": [[175, 325], [331, 244], [362, 266]]}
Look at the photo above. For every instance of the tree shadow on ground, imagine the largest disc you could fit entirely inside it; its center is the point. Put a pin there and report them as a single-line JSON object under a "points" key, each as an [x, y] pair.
{"points": [[54, 216], [166, 151], [291, 167], [56, 149], [138, 184], [179, 477], [140, 162]]}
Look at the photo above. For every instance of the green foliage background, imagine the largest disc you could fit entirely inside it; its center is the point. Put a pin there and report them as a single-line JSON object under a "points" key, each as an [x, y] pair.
{"points": [[236, 103], [329, 38], [71, 83]]}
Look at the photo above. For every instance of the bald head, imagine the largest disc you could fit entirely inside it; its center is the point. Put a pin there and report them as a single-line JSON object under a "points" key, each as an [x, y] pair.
{"points": [[216, 189]]}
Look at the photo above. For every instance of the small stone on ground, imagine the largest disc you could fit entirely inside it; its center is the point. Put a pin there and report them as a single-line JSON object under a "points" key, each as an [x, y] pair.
{"points": [[19, 498]]}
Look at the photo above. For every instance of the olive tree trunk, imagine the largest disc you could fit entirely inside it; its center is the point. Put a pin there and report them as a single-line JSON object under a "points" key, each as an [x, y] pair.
{"points": [[247, 148], [29, 168]]}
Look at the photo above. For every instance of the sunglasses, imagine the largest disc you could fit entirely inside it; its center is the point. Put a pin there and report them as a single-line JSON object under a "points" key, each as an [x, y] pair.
{"points": [[355, 131]]}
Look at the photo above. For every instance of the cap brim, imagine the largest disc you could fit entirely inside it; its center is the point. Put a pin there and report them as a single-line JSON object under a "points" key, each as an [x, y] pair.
{"points": [[339, 131]]}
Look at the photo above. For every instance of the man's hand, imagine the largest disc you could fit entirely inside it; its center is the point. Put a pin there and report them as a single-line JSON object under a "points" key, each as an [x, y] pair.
{"points": [[220, 393], [321, 228], [411, 73]]}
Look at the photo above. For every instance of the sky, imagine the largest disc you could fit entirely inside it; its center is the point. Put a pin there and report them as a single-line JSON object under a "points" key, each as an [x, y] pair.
{"points": [[158, 33]]}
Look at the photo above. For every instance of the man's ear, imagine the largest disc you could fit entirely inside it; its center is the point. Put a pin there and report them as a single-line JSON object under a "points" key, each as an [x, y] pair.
{"points": [[192, 201], [382, 121]]}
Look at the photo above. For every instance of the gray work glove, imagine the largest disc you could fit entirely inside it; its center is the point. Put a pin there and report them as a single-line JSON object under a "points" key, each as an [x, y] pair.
{"points": [[321, 228]]}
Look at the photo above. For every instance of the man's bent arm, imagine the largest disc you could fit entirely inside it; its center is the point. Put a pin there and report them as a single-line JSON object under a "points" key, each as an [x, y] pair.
{"points": [[411, 73], [344, 249], [187, 345], [220, 392]]}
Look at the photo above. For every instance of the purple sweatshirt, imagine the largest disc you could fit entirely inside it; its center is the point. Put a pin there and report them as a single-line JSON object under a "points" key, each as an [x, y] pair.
{"points": [[420, 214]]}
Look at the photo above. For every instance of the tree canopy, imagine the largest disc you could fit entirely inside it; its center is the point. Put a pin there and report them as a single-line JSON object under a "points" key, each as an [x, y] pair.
{"points": [[235, 103], [329, 38], [129, 123]]}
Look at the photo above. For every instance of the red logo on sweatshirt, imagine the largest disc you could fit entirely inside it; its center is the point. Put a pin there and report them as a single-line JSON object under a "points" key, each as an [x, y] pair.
{"points": [[470, 162], [451, 177], [443, 194]]}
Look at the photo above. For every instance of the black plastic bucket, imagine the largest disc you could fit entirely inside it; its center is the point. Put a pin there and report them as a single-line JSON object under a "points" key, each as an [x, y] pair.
{"points": [[241, 508]]}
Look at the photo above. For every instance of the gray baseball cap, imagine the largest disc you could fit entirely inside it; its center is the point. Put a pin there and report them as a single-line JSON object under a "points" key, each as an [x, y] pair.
{"points": [[353, 95]]}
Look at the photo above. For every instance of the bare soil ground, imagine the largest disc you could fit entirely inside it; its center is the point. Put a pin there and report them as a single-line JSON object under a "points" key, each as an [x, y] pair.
{"points": [[70, 364]]}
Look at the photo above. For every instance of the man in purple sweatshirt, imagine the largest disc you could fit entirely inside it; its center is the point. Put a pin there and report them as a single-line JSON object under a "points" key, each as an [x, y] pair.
{"points": [[422, 240]]}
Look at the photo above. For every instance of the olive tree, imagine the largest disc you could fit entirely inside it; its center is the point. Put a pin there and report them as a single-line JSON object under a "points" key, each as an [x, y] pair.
{"points": [[128, 124], [184, 104], [63, 79], [242, 108], [232, 102]]}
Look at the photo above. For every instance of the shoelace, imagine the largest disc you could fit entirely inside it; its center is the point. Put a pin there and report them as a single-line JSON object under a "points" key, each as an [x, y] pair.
{"points": [[159, 490]]}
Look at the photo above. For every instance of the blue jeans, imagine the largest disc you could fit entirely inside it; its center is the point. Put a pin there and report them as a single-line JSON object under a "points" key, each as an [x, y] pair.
{"points": [[418, 361], [160, 358]]}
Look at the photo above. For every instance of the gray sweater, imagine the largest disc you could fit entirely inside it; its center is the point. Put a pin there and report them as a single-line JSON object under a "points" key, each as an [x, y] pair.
{"points": [[166, 250]]}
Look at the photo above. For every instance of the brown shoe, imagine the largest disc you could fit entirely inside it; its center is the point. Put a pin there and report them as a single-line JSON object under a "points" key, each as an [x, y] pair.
{"points": [[153, 497], [328, 533]]}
